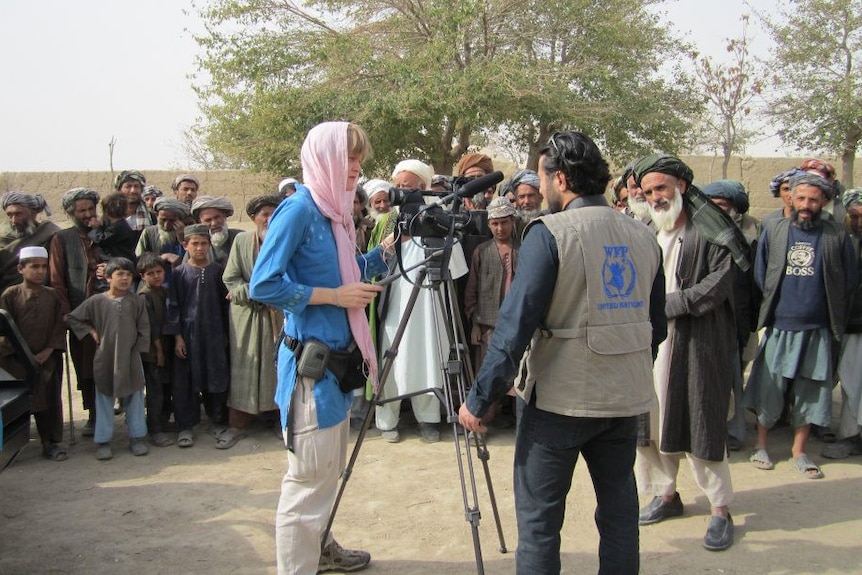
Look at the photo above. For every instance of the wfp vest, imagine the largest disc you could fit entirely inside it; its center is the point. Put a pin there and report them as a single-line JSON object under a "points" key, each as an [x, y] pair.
{"points": [[491, 282], [592, 355]]}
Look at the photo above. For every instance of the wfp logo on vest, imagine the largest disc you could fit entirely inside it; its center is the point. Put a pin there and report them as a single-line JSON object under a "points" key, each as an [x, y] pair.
{"points": [[618, 272]]}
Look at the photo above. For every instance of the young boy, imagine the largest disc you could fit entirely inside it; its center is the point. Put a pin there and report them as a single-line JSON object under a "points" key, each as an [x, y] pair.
{"points": [[156, 361], [117, 321], [198, 315], [38, 313]]}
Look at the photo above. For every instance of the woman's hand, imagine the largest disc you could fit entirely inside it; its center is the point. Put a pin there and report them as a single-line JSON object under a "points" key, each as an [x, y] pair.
{"points": [[355, 295]]}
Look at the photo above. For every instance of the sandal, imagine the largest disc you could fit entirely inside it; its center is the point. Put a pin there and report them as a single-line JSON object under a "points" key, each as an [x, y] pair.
{"points": [[806, 467], [228, 438], [55, 452], [761, 460], [185, 438], [161, 439]]}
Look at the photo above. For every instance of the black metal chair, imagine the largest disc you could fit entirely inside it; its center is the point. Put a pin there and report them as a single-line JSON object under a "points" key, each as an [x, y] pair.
{"points": [[15, 394]]}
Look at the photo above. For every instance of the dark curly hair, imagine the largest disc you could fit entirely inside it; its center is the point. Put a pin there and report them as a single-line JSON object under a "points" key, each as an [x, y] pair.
{"points": [[577, 156]]}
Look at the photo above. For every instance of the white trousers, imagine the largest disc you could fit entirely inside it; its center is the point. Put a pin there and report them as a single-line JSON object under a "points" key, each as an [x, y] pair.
{"points": [[310, 484], [850, 370], [656, 474], [426, 409]]}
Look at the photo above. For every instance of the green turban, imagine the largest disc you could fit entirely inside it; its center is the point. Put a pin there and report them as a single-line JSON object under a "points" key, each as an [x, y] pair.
{"points": [[664, 164]]}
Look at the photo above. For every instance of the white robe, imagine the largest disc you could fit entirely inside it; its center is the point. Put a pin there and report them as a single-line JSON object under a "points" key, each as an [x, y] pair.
{"points": [[418, 363]]}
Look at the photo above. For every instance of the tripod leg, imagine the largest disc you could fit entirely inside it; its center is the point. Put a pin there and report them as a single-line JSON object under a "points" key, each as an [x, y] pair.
{"points": [[366, 422], [484, 456], [481, 447]]}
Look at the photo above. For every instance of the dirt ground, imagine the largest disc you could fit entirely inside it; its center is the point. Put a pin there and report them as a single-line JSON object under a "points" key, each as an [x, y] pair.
{"points": [[207, 511]]}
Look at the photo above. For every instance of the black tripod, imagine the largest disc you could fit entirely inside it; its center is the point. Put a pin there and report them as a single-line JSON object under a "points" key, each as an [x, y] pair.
{"points": [[457, 370]]}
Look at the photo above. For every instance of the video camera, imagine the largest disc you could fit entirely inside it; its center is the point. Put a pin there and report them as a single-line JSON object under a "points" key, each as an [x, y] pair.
{"points": [[433, 221]]}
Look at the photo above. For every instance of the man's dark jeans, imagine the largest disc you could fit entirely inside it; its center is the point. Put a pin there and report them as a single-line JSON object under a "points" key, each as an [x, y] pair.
{"points": [[546, 450]]}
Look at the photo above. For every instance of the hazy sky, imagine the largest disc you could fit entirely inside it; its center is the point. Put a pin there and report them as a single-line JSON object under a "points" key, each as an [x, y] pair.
{"points": [[74, 74]]}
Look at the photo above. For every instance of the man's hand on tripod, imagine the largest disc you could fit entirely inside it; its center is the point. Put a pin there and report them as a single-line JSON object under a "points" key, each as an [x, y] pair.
{"points": [[470, 421]]}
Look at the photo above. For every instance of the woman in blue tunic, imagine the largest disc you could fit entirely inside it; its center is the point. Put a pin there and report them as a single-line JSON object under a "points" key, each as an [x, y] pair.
{"points": [[308, 267]]}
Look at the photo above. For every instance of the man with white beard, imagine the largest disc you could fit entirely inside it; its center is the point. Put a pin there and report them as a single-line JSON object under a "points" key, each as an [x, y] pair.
{"points": [[214, 212], [378, 198], [692, 382], [21, 230], [637, 205], [165, 237]]}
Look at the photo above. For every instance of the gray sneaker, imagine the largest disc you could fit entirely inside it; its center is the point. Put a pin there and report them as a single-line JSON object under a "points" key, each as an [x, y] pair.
{"points": [[138, 447], [391, 435], [429, 433], [334, 557], [844, 448], [103, 452]]}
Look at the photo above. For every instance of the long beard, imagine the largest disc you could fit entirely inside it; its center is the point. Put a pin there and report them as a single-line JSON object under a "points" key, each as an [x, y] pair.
{"points": [[639, 208], [219, 238], [806, 225], [527, 216], [377, 215], [666, 219], [24, 231], [167, 237]]}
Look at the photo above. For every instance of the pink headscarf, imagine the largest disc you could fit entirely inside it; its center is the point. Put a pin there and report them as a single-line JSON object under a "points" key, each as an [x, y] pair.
{"points": [[324, 173]]}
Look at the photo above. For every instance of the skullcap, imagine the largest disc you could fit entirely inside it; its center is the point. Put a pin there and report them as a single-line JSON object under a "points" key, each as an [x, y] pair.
{"points": [[284, 183], [500, 207], [32, 252], [196, 230]]}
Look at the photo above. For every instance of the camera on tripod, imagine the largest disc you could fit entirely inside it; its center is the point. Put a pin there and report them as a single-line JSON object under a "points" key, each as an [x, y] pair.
{"points": [[417, 218]]}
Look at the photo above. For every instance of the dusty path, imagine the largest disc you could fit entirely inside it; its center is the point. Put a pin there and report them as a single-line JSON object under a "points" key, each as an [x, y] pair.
{"points": [[205, 511]]}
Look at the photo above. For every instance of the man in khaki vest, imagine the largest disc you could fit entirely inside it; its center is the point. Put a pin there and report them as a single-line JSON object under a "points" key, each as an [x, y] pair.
{"points": [[589, 293]]}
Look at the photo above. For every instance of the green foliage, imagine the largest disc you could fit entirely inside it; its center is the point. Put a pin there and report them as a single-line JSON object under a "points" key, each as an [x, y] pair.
{"points": [[425, 79], [818, 102]]}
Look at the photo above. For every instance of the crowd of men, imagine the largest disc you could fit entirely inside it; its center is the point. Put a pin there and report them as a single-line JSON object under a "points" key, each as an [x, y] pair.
{"points": [[617, 330]]}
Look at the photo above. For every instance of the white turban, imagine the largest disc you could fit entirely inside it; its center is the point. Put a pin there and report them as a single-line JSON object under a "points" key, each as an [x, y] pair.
{"points": [[374, 187], [423, 171]]}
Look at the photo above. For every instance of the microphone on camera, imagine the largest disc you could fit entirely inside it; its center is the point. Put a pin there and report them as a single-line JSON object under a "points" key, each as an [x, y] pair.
{"points": [[472, 187]]}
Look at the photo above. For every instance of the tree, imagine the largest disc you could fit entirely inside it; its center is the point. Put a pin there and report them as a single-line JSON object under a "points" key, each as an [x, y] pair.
{"points": [[818, 102], [729, 91], [427, 78]]}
